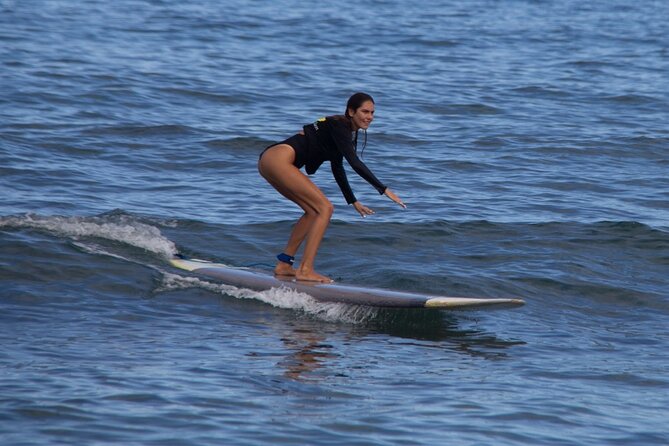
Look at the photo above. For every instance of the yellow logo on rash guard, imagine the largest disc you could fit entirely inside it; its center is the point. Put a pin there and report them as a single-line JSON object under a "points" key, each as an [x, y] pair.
{"points": [[317, 121]]}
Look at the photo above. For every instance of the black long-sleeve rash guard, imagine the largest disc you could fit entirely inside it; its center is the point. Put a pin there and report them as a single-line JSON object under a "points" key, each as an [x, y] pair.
{"points": [[329, 139]]}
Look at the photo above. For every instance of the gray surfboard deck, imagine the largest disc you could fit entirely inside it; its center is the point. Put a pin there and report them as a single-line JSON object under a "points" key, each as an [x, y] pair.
{"points": [[334, 292], [337, 293]]}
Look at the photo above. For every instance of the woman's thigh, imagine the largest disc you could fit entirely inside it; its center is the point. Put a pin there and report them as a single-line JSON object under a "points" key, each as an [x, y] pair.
{"points": [[276, 166]]}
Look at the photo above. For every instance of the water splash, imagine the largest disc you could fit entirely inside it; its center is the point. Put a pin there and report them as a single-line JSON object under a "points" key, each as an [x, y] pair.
{"points": [[277, 297], [115, 227], [127, 229]]}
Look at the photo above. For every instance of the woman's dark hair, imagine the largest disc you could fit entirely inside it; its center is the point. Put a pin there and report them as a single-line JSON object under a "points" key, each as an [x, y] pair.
{"points": [[354, 103]]}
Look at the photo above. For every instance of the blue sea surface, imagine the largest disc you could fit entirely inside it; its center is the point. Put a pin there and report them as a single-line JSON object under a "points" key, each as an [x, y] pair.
{"points": [[529, 139]]}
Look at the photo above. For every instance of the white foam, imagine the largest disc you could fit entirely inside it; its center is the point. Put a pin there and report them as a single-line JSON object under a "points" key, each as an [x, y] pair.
{"points": [[122, 229], [278, 297], [127, 230]]}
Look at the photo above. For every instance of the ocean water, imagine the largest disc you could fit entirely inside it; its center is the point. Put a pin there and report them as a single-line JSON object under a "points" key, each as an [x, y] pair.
{"points": [[530, 140]]}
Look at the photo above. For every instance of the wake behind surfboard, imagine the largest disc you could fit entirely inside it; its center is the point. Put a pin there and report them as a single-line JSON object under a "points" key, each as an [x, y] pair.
{"points": [[335, 293]]}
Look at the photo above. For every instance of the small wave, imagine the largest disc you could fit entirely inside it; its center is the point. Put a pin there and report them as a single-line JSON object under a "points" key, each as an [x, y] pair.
{"points": [[541, 91], [277, 297], [116, 227], [242, 144], [462, 109], [212, 96], [431, 42], [632, 99], [142, 130]]}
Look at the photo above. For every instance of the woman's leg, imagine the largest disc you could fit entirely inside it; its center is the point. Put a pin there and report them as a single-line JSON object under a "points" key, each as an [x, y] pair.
{"points": [[297, 236], [276, 166]]}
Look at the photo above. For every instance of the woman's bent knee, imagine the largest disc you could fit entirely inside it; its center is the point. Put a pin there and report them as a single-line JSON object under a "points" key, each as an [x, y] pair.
{"points": [[326, 209]]}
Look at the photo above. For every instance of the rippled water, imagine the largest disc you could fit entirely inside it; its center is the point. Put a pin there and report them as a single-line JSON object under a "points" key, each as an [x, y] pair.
{"points": [[529, 139]]}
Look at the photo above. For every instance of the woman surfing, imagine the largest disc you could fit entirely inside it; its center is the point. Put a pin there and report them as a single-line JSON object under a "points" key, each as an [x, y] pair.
{"points": [[328, 139]]}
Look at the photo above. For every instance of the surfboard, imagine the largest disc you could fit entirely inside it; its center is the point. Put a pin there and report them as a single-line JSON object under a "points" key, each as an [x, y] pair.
{"points": [[334, 292]]}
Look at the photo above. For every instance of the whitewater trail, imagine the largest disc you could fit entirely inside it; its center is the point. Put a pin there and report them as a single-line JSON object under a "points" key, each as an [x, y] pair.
{"points": [[129, 231]]}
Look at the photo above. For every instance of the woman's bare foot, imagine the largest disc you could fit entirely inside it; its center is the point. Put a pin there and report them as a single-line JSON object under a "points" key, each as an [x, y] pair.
{"points": [[312, 276], [284, 269]]}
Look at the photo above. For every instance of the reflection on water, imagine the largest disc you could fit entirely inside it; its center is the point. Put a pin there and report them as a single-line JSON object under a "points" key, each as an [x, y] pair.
{"points": [[308, 349], [308, 352], [444, 328]]}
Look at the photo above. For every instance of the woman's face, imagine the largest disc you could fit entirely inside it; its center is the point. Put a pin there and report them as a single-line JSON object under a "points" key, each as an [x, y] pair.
{"points": [[363, 116]]}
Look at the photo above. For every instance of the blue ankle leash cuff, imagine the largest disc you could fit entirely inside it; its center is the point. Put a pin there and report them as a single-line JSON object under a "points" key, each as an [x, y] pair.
{"points": [[285, 258]]}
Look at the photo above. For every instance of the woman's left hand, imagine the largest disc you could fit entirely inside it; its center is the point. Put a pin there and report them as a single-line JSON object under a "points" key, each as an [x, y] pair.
{"points": [[390, 194], [363, 210]]}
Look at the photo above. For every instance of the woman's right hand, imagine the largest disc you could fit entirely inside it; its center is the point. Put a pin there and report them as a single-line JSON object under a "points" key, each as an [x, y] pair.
{"points": [[363, 210], [390, 194]]}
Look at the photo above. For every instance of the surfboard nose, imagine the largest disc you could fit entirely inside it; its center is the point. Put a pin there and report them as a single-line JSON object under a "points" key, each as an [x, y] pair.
{"points": [[470, 302]]}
